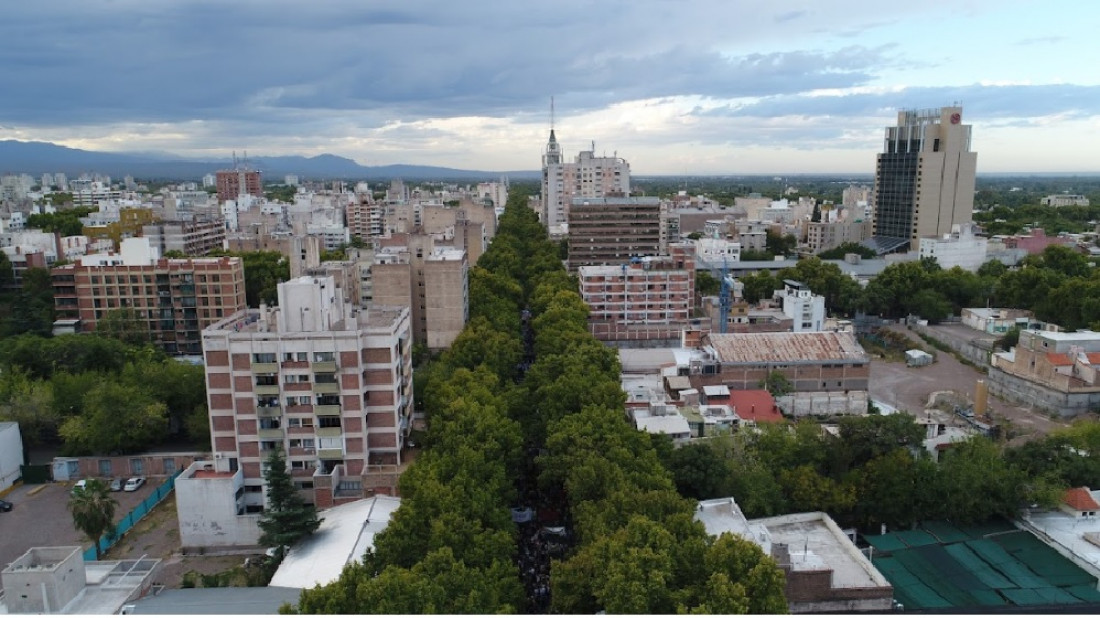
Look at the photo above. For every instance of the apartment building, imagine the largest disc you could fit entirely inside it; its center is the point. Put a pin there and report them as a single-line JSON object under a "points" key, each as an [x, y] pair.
{"points": [[432, 281], [329, 384], [805, 309], [234, 183], [649, 298], [193, 238], [588, 176], [612, 230], [174, 298], [363, 216]]}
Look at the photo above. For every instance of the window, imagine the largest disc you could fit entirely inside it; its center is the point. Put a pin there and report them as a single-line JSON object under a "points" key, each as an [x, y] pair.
{"points": [[137, 466], [299, 422], [323, 378], [264, 357], [169, 465], [293, 378], [324, 357], [328, 421], [104, 467]]}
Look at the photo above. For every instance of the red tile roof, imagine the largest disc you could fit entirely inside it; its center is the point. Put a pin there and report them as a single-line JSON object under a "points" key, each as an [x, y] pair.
{"points": [[1079, 499], [1094, 358], [755, 405], [1060, 360]]}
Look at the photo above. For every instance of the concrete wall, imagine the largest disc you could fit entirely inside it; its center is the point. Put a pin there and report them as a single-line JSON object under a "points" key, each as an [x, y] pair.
{"points": [[207, 512], [44, 580], [976, 350], [11, 454], [1019, 390], [823, 403]]}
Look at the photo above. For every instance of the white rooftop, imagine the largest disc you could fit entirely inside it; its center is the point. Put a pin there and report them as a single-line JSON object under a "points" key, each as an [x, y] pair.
{"points": [[1070, 535], [671, 424], [646, 360], [346, 533], [814, 541]]}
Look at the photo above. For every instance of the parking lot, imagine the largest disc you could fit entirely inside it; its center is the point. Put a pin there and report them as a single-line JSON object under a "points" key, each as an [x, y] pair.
{"points": [[41, 517]]}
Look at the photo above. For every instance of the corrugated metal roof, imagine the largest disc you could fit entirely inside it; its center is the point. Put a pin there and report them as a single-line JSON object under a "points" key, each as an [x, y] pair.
{"points": [[786, 347]]}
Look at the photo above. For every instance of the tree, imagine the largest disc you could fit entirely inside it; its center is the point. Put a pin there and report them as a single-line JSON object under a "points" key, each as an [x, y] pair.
{"points": [[758, 285], [838, 253], [117, 418], [777, 384], [707, 284], [287, 518], [124, 324], [816, 216], [93, 511]]}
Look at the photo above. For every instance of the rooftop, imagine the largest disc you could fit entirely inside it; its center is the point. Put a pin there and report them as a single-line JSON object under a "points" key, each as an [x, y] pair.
{"points": [[346, 533], [220, 601], [816, 542], [786, 347], [248, 321], [1080, 499]]}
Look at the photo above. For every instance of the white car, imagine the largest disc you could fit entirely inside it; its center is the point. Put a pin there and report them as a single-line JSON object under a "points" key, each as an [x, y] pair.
{"points": [[134, 483], [79, 486]]}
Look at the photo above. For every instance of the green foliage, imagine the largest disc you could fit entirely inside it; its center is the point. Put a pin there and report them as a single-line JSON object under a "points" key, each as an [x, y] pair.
{"points": [[65, 222], [780, 245], [758, 285], [838, 253], [116, 418], [707, 284], [287, 518], [777, 384], [263, 272], [280, 193], [93, 511], [124, 324]]}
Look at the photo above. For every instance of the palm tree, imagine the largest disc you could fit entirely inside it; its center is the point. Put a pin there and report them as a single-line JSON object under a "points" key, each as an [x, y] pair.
{"points": [[93, 511]]}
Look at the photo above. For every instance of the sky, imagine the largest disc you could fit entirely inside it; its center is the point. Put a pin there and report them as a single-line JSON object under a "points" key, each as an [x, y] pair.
{"points": [[673, 86]]}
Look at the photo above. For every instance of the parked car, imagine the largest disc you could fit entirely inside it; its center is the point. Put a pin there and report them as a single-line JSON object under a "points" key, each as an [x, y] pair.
{"points": [[80, 485], [5, 506], [116, 484], [134, 483]]}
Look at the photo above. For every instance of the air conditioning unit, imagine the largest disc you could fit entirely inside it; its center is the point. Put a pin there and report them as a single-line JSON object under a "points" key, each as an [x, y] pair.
{"points": [[218, 456]]}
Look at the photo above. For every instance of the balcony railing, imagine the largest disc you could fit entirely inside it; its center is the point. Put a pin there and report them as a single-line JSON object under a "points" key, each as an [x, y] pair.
{"points": [[326, 388], [265, 367], [326, 410], [268, 411], [267, 389], [323, 366], [270, 434], [329, 432], [330, 453]]}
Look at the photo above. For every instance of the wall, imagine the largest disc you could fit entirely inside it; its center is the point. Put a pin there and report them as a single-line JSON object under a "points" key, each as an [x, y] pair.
{"points": [[151, 464], [33, 589], [823, 403], [976, 350], [11, 454], [1018, 390], [207, 513]]}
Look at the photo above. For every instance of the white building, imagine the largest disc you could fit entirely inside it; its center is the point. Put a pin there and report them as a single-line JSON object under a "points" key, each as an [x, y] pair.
{"points": [[805, 308], [11, 454], [1064, 199], [588, 176], [290, 180], [959, 248], [211, 509]]}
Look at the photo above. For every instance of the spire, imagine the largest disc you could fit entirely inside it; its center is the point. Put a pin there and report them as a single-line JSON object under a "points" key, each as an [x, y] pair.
{"points": [[552, 138]]}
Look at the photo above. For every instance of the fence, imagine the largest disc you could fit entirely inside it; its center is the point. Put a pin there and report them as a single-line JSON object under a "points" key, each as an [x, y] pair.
{"points": [[133, 517]]}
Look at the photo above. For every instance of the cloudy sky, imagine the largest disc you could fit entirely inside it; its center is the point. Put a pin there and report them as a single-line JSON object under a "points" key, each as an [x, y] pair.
{"points": [[673, 86]]}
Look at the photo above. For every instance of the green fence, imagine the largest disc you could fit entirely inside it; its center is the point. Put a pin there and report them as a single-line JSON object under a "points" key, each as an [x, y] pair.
{"points": [[35, 475], [133, 517]]}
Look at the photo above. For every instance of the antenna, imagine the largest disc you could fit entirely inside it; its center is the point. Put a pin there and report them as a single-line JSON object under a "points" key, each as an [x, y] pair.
{"points": [[551, 112]]}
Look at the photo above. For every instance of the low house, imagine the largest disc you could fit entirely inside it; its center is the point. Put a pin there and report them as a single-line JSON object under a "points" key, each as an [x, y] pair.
{"points": [[1080, 502]]}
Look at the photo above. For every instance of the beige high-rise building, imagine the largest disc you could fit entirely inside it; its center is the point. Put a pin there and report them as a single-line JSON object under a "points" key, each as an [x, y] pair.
{"points": [[587, 176], [432, 281], [924, 179]]}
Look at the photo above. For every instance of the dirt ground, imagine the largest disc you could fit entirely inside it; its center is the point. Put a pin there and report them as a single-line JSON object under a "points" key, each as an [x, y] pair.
{"points": [[157, 536], [909, 388]]}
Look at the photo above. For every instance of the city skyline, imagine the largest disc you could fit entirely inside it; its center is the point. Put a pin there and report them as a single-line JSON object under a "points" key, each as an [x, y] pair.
{"points": [[673, 87]]}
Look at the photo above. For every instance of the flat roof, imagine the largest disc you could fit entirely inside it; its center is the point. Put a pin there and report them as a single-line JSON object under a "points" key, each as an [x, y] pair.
{"points": [[816, 542], [221, 601], [786, 347], [1076, 535], [346, 533], [646, 360], [671, 424]]}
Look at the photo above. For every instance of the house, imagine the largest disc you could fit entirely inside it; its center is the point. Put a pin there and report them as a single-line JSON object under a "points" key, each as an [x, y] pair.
{"points": [[1080, 502]]}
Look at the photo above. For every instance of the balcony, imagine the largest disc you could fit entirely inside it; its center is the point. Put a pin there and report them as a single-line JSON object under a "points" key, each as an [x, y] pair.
{"points": [[266, 389], [300, 451], [330, 453], [270, 434], [266, 368], [269, 411], [326, 388], [329, 432], [320, 410], [323, 366]]}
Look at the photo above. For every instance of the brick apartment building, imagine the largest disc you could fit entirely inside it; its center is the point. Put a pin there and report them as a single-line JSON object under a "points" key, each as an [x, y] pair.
{"points": [[233, 183], [329, 384], [649, 298], [174, 298]]}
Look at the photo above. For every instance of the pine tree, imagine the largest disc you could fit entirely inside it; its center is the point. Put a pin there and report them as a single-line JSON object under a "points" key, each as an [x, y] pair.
{"points": [[816, 216], [287, 517]]}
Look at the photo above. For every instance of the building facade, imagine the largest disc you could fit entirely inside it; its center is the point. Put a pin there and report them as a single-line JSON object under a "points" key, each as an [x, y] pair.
{"points": [[924, 178], [650, 298], [234, 183], [805, 309], [174, 298], [329, 384], [612, 230], [432, 281], [193, 238], [958, 248], [588, 176]]}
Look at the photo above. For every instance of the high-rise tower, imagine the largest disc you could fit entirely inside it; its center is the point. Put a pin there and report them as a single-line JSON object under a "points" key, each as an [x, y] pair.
{"points": [[552, 181], [924, 179]]}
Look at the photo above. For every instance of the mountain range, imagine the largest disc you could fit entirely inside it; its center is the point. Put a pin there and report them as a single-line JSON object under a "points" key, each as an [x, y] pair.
{"points": [[38, 158]]}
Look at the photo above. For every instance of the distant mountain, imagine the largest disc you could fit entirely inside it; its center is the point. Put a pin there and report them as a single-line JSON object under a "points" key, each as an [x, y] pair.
{"points": [[37, 158]]}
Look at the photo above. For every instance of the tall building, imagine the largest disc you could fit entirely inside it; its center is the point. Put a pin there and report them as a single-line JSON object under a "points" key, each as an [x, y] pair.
{"points": [[175, 299], [188, 237], [329, 384], [234, 183], [612, 230], [433, 281], [588, 176], [924, 179], [806, 309]]}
